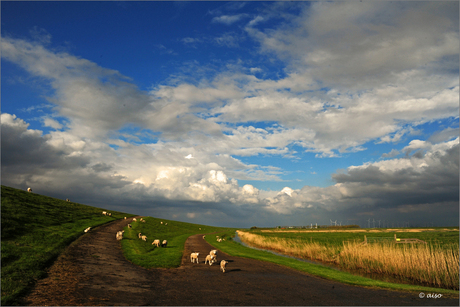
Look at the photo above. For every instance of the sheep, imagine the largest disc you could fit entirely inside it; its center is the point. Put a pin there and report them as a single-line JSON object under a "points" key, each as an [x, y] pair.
{"points": [[29, 189], [87, 229], [143, 221], [144, 238], [156, 242], [130, 226], [222, 265], [213, 252], [164, 243], [166, 224], [109, 214], [67, 199], [134, 219], [125, 217], [139, 235], [210, 259], [104, 213], [193, 257], [219, 240], [119, 235], [161, 223]]}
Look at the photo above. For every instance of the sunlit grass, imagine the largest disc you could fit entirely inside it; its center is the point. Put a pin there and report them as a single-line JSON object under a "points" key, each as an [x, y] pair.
{"points": [[428, 264]]}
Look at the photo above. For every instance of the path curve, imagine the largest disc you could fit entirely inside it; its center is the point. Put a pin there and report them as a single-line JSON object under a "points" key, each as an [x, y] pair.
{"points": [[93, 271]]}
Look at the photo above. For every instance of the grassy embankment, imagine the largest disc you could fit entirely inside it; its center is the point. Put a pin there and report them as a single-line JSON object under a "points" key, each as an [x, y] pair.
{"points": [[232, 248], [176, 233], [36, 229]]}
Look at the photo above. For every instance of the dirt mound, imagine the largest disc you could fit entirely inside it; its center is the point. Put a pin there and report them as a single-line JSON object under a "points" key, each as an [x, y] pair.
{"points": [[93, 271]]}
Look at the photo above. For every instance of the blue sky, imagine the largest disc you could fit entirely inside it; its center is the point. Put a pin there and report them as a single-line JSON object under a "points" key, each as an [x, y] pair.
{"points": [[236, 113]]}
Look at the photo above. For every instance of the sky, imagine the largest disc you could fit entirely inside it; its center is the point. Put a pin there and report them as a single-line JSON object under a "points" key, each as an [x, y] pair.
{"points": [[236, 114]]}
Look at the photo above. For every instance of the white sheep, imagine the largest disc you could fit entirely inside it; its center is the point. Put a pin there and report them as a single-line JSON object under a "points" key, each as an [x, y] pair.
{"points": [[87, 229], [139, 235], [119, 235], [156, 242], [193, 257], [134, 219], [164, 243], [29, 189], [125, 217], [222, 265], [143, 221], [166, 224], [210, 259], [104, 213], [67, 199], [161, 223], [144, 238], [109, 214], [130, 226], [219, 240]]}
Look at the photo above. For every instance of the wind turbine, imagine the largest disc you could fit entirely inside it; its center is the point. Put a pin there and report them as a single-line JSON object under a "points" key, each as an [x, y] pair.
{"points": [[369, 223]]}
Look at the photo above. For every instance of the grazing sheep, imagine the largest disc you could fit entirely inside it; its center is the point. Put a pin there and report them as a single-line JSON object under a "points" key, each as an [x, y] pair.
{"points": [[222, 265], [156, 242], [67, 199], [144, 238], [119, 235], [210, 259], [134, 219], [199, 228], [125, 217], [87, 229], [104, 213], [29, 189], [130, 226], [164, 243], [161, 223], [204, 237], [109, 214], [219, 240], [139, 235], [143, 221], [193, 257], [213, 253], [166, 224]]}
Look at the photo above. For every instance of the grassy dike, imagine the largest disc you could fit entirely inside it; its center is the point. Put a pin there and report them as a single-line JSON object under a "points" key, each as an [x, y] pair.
{"points": [[235, 249], [36, 229]]}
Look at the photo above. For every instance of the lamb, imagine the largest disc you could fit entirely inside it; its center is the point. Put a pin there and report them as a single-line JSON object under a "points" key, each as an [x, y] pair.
{"points": [[222, 265], [193, 257], [144, 238], [210, 259], [164, 243], [156, 242], [29, 189]]}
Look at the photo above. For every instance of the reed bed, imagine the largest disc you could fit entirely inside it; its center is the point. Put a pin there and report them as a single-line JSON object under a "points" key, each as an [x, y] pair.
{"points": [[426, 264]]}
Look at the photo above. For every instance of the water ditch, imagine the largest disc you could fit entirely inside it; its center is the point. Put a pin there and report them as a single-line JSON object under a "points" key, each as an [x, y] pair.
{"points": [[386, 278]]}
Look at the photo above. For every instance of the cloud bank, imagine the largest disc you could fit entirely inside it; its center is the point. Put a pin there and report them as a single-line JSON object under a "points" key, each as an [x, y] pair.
{"points": [[175, 150]]}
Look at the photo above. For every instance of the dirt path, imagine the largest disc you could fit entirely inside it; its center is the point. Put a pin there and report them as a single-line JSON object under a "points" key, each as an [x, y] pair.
{"points": [[93, 271]]}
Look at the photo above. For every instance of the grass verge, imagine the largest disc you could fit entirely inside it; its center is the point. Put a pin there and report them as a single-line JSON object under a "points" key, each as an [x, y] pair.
{"points": [[235, 249]]}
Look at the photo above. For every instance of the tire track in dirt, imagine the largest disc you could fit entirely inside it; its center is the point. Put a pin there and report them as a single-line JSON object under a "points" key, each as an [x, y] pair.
{"points": [[93, 271]]}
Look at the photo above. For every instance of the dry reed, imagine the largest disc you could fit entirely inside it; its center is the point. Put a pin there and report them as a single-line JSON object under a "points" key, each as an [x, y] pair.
{"points": [[427, 264]]}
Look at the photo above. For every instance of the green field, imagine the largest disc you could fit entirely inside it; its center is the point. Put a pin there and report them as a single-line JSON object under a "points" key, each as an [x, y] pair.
{"points": [[335, 237]]}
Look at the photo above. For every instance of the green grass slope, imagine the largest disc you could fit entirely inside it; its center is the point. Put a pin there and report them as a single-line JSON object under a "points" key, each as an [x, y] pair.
{"points": [[35, 230]]}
